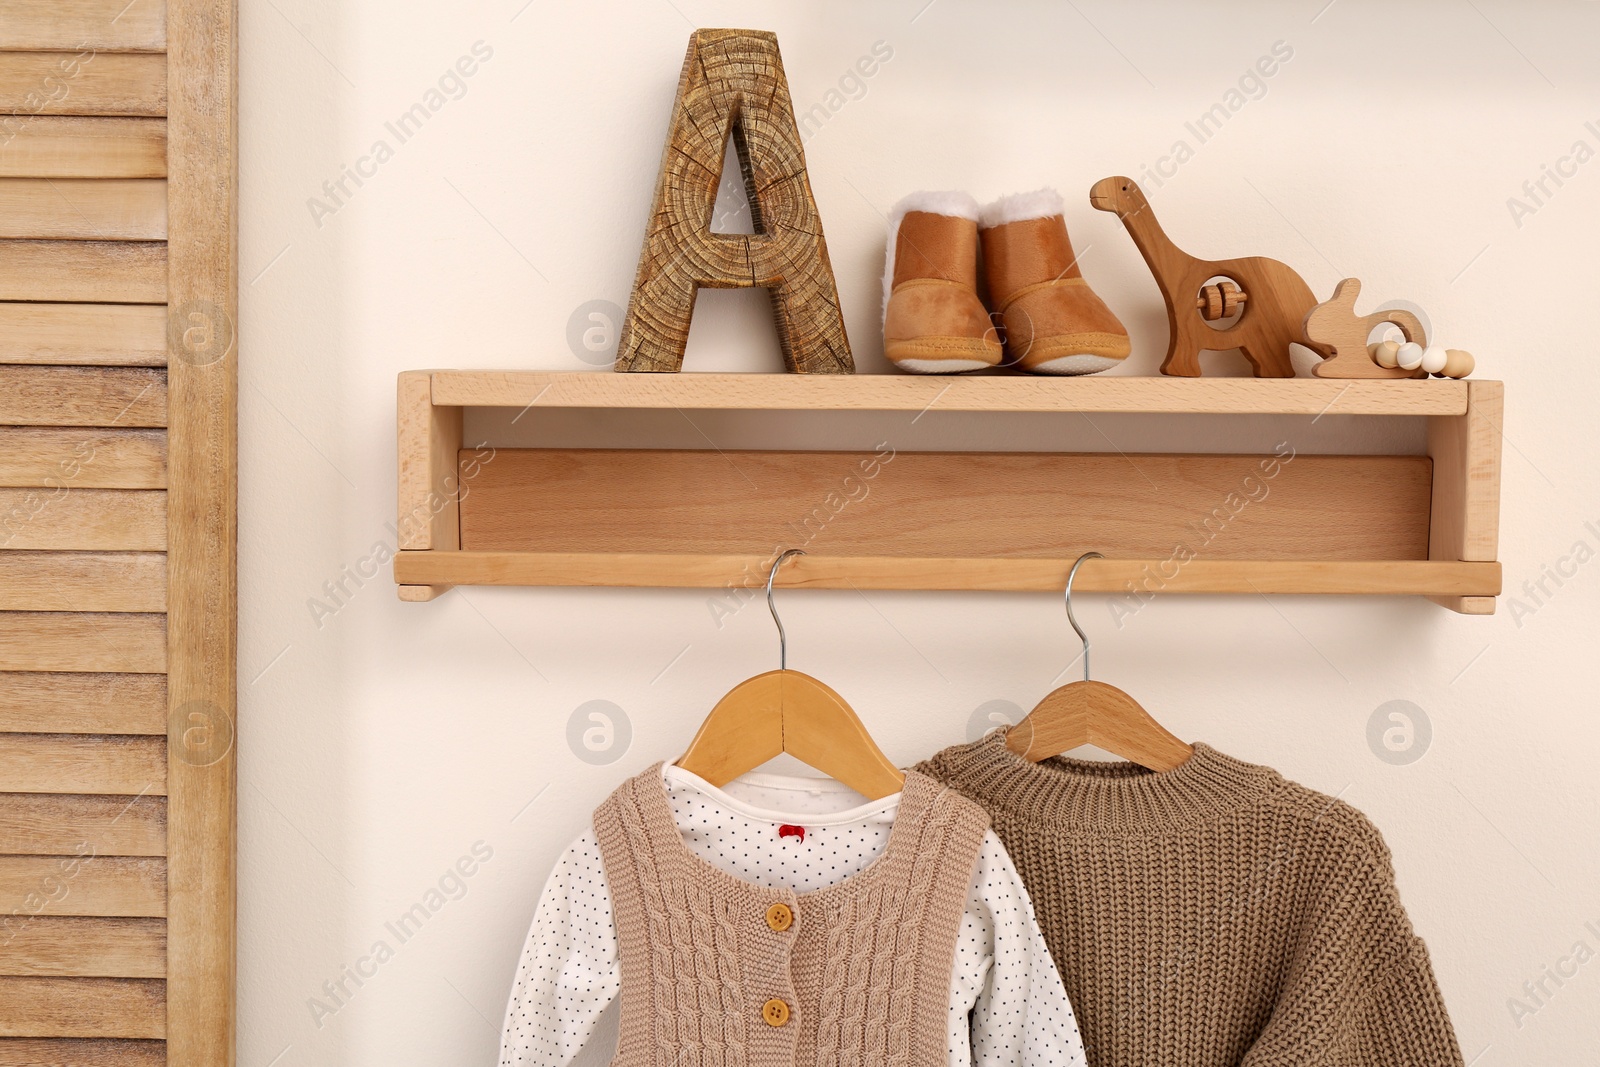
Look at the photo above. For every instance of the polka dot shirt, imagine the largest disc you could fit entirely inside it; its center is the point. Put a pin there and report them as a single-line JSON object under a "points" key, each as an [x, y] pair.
{"points": [[1007, 1006]]}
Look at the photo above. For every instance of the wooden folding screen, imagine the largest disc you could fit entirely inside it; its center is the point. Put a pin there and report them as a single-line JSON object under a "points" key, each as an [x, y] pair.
{"points": [[117, 531]]}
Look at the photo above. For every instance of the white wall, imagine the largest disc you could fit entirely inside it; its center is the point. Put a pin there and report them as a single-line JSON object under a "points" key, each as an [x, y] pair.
{"points": [[379, 744]]}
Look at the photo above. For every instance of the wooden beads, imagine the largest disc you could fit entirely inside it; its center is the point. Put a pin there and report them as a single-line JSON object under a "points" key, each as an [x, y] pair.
{"points": [[1457, 363], [1220, 300], [1385, 353], [1440, 362]]}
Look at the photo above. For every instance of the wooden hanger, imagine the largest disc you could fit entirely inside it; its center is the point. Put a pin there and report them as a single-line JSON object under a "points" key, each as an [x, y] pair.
{"points": [[1094, 713], [787, 711]]}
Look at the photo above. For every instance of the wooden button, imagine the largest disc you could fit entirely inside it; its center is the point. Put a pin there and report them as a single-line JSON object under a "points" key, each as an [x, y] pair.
{"points": [[779, 917], [775, 1012]]}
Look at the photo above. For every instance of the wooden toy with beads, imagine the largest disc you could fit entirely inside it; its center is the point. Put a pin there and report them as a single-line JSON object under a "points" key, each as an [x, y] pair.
{"points": [[1335, 324], [1271, 300]]}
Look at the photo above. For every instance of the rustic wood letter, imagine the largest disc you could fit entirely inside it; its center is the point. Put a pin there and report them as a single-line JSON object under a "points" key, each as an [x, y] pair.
{"points": [[733, 85]]}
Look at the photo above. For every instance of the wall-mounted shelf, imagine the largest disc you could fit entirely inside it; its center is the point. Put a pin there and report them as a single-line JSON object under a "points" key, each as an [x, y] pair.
{"points": [[1422, 525]]}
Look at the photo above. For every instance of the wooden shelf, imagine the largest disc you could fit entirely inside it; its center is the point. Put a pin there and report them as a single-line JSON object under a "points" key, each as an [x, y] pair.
{"points": [[905, 392], [1376, 525]]}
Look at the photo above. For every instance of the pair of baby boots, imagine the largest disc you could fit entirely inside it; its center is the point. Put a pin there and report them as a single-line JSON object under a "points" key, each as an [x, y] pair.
{"points": [[1046, 319]]}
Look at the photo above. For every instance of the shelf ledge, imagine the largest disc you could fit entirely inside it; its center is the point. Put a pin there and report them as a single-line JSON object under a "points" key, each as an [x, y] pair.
{"points": [[1388, 577], [908, 392]]}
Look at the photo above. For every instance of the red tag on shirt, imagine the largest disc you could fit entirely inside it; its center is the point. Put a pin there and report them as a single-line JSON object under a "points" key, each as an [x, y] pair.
{"points": [[791, 830]]}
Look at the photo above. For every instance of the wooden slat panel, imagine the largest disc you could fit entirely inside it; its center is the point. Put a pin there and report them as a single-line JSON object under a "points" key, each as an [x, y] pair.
{"points": [[117, 272], [82, 641], [80, 1052], [936, 505], [43, 825], [103, 25], [85, 458], [83, 581], [82, 1007], [81, 763], [72, 947], [69, 147], [132, 335], [83, 396], [35, 702], [84, 885], [202, 40], [133, 209], [131, 520], [82, 83]]}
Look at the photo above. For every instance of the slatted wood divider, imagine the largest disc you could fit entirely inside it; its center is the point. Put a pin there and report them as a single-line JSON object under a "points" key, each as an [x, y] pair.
{"points": [[117, 512]]}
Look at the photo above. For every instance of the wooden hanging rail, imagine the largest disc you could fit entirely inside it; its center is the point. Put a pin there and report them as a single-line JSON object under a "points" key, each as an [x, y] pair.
{"points": [[1376, 525], [1387, 577]]}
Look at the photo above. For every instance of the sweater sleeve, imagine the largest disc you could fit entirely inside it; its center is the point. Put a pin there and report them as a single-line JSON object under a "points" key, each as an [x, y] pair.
{"points": [[1359, 990], [1007, 1004], [568, 973]]}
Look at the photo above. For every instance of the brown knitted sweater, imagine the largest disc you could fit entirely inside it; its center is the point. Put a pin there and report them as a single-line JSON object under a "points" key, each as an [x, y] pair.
{"points": [[720, 972], [1216, 915]]}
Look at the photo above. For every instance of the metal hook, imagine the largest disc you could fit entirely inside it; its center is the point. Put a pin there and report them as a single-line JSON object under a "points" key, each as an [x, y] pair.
{"points": [[1073, 619], [783, 640]]}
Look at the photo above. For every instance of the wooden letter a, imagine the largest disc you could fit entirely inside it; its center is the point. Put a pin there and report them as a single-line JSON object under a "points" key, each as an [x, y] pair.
{"points": [[733, 85]]}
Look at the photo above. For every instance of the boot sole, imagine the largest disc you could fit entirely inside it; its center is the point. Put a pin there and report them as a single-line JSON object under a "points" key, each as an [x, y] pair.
{"points": [[1081, 363], [943, 355]]}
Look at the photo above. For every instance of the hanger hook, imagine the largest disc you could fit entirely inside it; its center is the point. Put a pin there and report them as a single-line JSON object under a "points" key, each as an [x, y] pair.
{"points": [[1073, 619], [783, 640]]}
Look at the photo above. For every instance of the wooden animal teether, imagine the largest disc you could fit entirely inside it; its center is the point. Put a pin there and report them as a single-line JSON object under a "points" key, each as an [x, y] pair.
{"points": [[1335, 325], [1270, 298]]}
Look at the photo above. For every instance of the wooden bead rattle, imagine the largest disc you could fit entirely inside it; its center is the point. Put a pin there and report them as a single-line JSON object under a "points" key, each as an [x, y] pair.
{"points": [[1335, 325], [1220, 300]]}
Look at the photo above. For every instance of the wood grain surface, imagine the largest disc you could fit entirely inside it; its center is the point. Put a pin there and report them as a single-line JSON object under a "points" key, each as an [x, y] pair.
{"points": [[926, 393], [938, 504], [85, 885], [83, 581], [83, 396], [82, 82], [130, 335], [64, 825], [56, 146], [733, 87], [67, 703]]}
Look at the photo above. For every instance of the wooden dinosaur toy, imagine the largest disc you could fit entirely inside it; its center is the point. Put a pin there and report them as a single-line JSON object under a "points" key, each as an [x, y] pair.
{"points": [[1271, 299]]}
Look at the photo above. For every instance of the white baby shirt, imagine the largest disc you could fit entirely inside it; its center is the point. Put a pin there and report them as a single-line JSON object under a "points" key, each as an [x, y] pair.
{"points": [[1007, 1005]]}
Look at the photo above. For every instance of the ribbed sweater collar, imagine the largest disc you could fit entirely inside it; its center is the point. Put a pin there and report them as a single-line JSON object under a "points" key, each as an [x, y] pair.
{"points": [[1115, 797]]}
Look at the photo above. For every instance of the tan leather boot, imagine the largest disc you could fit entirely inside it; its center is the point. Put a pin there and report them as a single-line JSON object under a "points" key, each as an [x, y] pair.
{"points": [[933, 321], [1054, 323]]}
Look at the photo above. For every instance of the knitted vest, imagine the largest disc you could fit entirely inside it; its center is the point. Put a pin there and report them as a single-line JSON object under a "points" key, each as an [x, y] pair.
{"points": [[1216, 915], [862, 970]]}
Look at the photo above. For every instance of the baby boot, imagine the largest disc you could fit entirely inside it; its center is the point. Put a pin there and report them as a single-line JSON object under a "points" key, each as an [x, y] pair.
{"points": [[1054, 323], [933, 321]]}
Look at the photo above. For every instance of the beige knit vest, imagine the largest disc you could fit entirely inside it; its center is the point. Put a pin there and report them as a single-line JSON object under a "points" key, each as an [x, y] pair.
{"points": [[863, 971]]}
